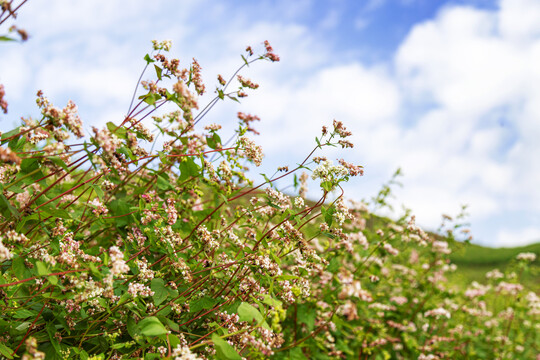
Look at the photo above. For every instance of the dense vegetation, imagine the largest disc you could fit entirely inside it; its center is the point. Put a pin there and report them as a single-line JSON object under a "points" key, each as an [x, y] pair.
{"points": [[121, 246]]}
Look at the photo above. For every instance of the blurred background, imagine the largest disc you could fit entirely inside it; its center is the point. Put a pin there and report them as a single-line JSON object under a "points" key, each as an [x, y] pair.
{"points": [[448, 91]]}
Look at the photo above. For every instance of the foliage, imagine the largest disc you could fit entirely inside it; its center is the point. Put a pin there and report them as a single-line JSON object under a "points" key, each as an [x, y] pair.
{"points": [[110, 250]]}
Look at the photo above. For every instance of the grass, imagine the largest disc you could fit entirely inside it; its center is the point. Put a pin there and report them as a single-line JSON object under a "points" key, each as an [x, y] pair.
{"points": [[474, 261]]}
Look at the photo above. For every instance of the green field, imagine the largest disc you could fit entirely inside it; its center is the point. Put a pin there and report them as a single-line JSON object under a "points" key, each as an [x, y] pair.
{"points": [[474, 261]]}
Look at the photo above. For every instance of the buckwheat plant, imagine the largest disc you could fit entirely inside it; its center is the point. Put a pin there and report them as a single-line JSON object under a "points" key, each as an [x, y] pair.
{"points": [[146, 239], [110, 249]]}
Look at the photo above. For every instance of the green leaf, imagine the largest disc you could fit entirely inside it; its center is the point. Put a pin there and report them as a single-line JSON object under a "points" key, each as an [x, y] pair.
{"points": [[121, 345], [4, 203], [5, 351], [19, 269], [158, 71], [24, 314], [297, 354], [98, 191], [223, 349], [119, 131], [266, 178], [327, 185], [233, 98], [268, 300], [148, 59], [163, 184], [206, 302], [11, 133], [151, 326], [150, 98], [306, 315], [117, 208], [132, 328], [214, 141], [16, 144], [58, 162], [247, 312], [160, 292], [42, 268], [29, 165], [188, 168], [51, 330], [245, 60], [7, 38]]}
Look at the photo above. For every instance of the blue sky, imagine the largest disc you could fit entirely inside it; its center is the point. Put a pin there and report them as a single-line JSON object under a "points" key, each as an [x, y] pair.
{"points": [[447, 90]]}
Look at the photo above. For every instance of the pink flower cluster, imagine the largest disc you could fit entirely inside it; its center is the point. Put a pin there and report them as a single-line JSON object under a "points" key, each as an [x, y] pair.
{"points": [[3, 102], [252, 151]]}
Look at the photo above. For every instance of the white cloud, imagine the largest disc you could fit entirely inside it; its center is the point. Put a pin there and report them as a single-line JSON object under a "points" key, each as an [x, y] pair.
{"points": [[471, 68], [513, 237]]}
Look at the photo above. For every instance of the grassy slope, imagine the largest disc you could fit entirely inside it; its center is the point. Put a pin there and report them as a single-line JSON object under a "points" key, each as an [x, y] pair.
{"points": [[474, 261], [484, 256]]}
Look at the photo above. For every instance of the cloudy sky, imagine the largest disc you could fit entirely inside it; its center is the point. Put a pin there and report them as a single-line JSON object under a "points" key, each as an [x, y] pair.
{"points": [[447, 90]]}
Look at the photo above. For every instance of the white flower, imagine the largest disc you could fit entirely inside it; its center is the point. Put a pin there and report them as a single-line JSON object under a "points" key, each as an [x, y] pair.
{"points": [[526, 256]]}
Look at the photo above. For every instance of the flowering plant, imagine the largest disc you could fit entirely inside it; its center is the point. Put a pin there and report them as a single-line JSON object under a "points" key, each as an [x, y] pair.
{"points": [[111, 249]]}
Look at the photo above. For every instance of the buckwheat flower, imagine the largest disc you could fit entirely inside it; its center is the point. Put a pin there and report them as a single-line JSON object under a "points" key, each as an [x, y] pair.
{"points": [[509, 288], [526, 256], [100, 209], [161, 45], [247, 119], [428, 357], [341, 129], [72, 120], [106, 140], [400, 300], [137, 289], [249, 50], [172, 213], [5, 254], [326, 171], [390, 249], [36, 251], [437, 313], [212, 127], [278, 198], [23, 198], [197, 206], [31, 349], [270, 52], [221, 80], [252, 151], [354, 170], [349, 310], [145, 274], [118, 265], [299, 202], [494, 274], [302, 192], [354, 289], [345, 144], [182, 352], [3, 102], [247, 82], [360, 238], [8, 156], [196, 77], [440, 247], [189, 98]]}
